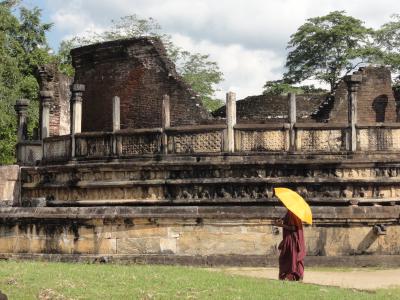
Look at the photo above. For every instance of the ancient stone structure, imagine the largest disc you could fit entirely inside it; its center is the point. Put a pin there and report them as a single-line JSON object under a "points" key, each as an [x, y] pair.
{"points": [[139, 72], [274, 109], [55, 94], [134, 180]]}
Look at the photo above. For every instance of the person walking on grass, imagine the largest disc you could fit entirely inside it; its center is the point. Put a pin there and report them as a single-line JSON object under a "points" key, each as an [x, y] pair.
{"points": [[292, 248]]}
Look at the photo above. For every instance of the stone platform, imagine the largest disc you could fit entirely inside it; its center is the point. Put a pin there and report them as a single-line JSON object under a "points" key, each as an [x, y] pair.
{"points": [[197, 235]]}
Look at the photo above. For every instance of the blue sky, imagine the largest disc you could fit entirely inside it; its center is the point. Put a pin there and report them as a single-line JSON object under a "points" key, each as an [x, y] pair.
{"points": [[246, 38]]}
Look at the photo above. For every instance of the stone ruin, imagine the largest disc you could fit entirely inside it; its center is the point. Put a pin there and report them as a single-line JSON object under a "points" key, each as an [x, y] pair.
{"points": [[144, 173]]}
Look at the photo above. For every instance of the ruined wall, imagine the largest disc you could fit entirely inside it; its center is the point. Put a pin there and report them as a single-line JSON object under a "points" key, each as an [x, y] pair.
{"points": [[263, 108], [375, 98], [139, 72], [9, 185], [50, 79]]}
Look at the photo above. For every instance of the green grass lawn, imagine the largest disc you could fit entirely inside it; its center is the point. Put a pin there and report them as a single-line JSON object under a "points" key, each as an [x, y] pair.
{"points": [[41, 280]]}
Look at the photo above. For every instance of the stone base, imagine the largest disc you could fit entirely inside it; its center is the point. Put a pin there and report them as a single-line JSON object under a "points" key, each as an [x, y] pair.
{"points": [[198, 235]]}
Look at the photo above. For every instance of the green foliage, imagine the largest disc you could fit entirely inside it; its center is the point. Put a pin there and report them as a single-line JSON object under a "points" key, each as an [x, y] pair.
{"points": [[201, 73], [195, 68], [387, 39], [280, 87], [325, 48], [22, 48], [213, 104]]}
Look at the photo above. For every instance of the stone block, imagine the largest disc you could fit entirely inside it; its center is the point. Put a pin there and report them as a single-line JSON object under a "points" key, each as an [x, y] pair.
{"points": [[9, 185], [168, 245], [106, 246], [146, 245], [8, 244], [127, 231], [85, 246], [201, 242]]}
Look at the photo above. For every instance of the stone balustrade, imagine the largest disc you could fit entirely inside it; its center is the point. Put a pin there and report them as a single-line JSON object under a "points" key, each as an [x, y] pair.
{"points": [[210, 139], [57, 148]]}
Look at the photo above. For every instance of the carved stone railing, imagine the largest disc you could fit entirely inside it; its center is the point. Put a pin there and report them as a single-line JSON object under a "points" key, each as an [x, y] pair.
{"points": [[378, 137], [261, 137], [93, 145], [57, 148], [321, 137], [29, 152], [138, 142], [196, 139]]}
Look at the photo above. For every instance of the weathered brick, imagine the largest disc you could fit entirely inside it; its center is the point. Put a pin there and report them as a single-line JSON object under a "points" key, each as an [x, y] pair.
{"points": [[139, 72]]}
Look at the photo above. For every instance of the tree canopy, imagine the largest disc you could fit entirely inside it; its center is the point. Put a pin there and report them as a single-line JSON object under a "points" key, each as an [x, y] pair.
{"points": [[280, 87], [23, 47], [387, 40], [325, 48], [196, 69]]}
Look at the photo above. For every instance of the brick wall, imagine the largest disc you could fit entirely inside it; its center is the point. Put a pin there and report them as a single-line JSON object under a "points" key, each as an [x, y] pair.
{"points": [[52, 80], [139, 72], [375, 98]]}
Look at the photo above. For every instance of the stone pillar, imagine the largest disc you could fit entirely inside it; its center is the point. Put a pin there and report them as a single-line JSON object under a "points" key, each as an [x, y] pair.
{"points": [[230, 121], [116, 114], [46, 97], [21, 108], [76, 116], [116, 125], [353, 82], [292, 121], [165, 122], [76, 119]]}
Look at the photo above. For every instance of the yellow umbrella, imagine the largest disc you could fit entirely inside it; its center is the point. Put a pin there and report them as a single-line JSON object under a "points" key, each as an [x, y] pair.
{"points": [[295, 203]]}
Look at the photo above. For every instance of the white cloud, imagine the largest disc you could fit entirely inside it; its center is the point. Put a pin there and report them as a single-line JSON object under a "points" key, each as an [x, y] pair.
{"points": [[246, 38], [245, 70]]}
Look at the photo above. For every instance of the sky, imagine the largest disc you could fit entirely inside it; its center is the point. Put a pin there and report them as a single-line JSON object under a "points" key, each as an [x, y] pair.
{"points": [[246, 38]]}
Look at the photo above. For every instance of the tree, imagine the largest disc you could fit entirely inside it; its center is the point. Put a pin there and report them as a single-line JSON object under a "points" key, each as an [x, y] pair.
{"points": [[387, 40], [22, 48], [280, 87], [328, 47], [195, 68]]}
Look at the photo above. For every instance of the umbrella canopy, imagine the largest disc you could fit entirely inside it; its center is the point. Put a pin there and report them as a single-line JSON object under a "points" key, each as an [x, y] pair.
{"points": [[295, 203]]}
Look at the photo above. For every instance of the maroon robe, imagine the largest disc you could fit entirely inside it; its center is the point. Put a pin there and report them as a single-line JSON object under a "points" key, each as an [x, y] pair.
{"points": [[293, 251]]}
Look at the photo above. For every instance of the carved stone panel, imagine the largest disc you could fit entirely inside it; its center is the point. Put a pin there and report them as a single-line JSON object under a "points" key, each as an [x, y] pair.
{"points": [[99, 146], [139, 144], [376, 139], [202, 142], [321, 140], [261, 140], [56, 149]]}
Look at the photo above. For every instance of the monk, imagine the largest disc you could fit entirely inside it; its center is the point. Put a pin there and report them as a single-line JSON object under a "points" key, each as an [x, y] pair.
{"points": [[292, 248]]}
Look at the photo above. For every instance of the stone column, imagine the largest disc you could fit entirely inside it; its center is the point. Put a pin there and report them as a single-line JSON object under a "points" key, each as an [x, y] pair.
{"points": [[230, 121], [116, 114], [116, 125], [21, 108], [76, 119], [165, 122], [76, 115], [353, 82], [292, 121], [46, 97]]}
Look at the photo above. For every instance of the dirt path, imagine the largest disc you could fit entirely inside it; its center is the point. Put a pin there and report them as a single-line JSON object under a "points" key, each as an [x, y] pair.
{"points": [[367, 279]]}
